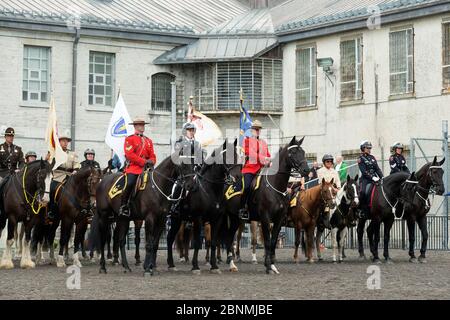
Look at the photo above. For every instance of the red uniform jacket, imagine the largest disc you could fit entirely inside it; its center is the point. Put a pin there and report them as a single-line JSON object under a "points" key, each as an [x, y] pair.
{"points": [[256, 151], [138, 149]]}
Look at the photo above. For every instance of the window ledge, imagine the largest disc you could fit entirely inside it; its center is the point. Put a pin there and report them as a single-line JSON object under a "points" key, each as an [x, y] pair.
{"points": [[306, 108], [238, 112], [159, 113], [30, 105], [351, 103], [99, 109], [411, 95]]}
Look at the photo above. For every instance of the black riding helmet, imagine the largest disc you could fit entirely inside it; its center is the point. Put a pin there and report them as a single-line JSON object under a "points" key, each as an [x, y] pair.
{"points": [[327, 157], [365, 144], [89, 151]]}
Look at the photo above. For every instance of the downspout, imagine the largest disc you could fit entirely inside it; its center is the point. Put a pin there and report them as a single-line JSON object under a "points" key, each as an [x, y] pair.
{"points": [[74, 86]]}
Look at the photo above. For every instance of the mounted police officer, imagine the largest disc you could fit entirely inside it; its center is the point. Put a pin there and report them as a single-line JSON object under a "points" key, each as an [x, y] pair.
{"points": [[370, 174], [257, 155], [30, 156], [139, 153], [65, 170], [89, 156], [397, 160], [11, 156], [188, 151], [328, 172]]}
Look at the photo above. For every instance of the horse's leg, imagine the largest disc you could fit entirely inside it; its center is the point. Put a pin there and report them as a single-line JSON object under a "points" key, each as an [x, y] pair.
{"points": [[265, 225], [123, 226], [207, 233], [171, 234], [360, 232], [197, 246], [26, 261], [6, 262], [310, 243], [137, 240], [187, 235], [254, 233], [412, 238], [214, 246], [229, 238], [66, 230], [387, 237], [80, 232], [342, 236], [18, 240], [334, 243], [149, 246], [104, 229], [375, 239], [238, 240], [273, 243], [297, 243], [423, 229], [319, 233], [109, 236], [116, 245]]}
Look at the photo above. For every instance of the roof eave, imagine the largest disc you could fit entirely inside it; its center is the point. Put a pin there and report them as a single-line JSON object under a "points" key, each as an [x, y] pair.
{"points": [[361, 22]]}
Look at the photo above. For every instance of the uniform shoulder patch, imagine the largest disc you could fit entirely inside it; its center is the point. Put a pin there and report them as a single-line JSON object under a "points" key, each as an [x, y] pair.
{"points": [[391, 158]]}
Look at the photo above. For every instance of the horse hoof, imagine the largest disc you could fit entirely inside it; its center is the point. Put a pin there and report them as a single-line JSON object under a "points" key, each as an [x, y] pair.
{"points": [[102, 270], [270, 272], [234, 269], [340, 260], [196, 272], [126, 270], [362, 257], [388, 261], [274, 269], [422, 260], [208, 264], [238, 259], [320, 259], [413, 260], [182, 260], [6, 265], [148, 273], [60, 265], [311, 261], [78, 264], [215, 271], [173, 269], [376, 260]]}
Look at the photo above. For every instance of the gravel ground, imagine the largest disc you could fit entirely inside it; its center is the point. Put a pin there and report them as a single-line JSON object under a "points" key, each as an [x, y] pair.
{"points": [[324, 280]]}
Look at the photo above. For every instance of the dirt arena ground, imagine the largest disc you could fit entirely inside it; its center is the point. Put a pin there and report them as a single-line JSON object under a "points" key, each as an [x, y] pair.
{"points": [[324, 280]]}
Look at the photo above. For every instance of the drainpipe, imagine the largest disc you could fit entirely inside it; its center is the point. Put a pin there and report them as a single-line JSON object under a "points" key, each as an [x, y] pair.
{"points": [[74, 86]]}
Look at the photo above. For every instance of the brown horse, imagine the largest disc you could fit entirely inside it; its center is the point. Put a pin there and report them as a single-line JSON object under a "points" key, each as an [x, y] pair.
{"points": [[305, 215]]}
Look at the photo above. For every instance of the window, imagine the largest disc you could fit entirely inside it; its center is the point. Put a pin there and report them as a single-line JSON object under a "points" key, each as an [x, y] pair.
{"points": [[351, 70], [101, 79], [446, 56], [401, 61], [36, 74], [306, 71], [162, 91], [204, 98]]}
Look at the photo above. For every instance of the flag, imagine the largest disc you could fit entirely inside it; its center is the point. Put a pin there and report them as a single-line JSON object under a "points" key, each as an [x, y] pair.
{"points": [[119, 128], [245, 123], [207, 131], [54, 147]]}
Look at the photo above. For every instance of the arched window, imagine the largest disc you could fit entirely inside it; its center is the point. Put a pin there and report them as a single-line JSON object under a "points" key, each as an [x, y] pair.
{"points": [[162, 91]]}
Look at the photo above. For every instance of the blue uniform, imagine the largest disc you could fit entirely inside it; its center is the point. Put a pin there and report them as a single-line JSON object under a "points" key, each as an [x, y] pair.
{"points": [[398, 163], [369, 168]]}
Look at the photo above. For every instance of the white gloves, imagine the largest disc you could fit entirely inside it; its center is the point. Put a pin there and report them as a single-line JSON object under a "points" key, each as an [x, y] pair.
{"points": [[375, 179]]}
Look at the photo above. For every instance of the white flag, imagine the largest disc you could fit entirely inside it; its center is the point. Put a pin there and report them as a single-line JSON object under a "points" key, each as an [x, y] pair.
{"points": [[119, 128], [51, 137], [207, 131]]}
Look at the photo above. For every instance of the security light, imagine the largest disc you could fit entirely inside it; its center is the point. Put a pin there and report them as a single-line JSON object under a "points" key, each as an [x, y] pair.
{"points": [[326, 64]]}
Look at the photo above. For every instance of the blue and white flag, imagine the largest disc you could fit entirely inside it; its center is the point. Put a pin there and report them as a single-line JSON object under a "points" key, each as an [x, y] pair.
{"points": [[245, 122], [119, 128]]}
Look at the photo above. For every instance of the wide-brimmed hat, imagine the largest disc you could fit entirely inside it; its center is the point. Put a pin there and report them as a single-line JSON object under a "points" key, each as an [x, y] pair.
{"points": [[65, 135], [256, 124], [10, 132], [139, 120]]}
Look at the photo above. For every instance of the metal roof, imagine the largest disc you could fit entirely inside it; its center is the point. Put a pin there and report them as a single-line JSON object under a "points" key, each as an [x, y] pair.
{"points": [[296, 16], [172, 16], [218, 49]]}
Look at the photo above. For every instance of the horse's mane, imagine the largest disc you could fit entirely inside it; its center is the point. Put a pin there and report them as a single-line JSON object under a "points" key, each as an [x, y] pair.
{"points": [[423, 170]]}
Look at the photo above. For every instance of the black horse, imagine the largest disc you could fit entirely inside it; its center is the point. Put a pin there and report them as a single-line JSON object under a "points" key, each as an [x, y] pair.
{"points": [[385, 204], [22, 198], [270, 201], [204, 202], [151, 205], [415, 194]]}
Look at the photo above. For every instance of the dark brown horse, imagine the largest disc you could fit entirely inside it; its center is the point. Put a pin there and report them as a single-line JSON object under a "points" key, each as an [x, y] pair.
{"points": [[416, 191], [311, 202], [22, 197]]}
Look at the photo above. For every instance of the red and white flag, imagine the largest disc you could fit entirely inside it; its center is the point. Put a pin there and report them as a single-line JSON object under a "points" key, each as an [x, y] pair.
{"points": [[51, 137], [207, 131]]}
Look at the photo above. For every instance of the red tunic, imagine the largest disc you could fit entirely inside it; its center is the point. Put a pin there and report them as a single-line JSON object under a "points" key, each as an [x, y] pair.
{"points": [[256, 151], [138, 149]]}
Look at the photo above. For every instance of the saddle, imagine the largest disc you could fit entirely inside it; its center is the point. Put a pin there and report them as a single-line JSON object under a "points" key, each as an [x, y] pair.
{"points": [[235, 189], [121, 182]]}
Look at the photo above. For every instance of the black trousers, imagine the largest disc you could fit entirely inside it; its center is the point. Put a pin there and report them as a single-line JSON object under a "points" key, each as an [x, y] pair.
{"points": [[248, 178], [131, 183]]}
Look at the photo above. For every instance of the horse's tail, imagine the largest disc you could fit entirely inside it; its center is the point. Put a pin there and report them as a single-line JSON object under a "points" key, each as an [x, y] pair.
{"points": [[2, 206], [94, 235]]}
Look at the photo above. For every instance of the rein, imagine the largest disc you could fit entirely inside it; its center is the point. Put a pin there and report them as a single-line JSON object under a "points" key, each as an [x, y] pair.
{"points": [[26, 194]]}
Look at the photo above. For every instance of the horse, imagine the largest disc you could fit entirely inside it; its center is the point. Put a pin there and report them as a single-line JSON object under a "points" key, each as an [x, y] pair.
{"points": [[150, 205], [204, 203], [22, 197], [385, 202], [306, 213], [415, 194], [341, 218]]}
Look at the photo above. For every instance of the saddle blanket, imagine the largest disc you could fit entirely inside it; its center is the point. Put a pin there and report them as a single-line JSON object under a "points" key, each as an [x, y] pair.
{"points": [[121, 182]]}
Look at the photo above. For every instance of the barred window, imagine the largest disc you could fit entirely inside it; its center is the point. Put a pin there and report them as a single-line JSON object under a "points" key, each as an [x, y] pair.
{"points": [[204, 87], [162, 91], [351, 70], [401, 61], [306, 73], [446, 55], [36, 74], [101, 79]]}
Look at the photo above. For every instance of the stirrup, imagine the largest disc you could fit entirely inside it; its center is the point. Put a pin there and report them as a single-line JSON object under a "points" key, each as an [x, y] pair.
{"points": [[124, 211], [244, 214]]}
